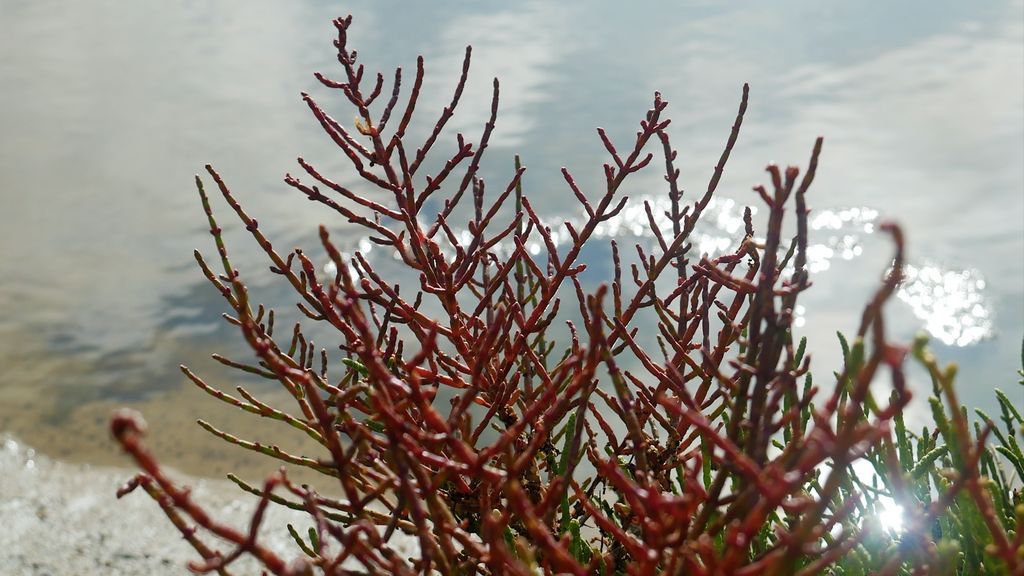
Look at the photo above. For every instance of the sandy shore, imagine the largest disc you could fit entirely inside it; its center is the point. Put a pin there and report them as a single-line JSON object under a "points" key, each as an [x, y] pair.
{"points": [[64, 519]]}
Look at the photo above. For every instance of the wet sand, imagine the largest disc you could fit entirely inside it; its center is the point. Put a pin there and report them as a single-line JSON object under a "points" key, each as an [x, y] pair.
{"points": [[80, 435]]}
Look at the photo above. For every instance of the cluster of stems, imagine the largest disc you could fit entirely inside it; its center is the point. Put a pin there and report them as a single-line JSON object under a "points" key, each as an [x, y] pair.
{"points": [[674, 429]]}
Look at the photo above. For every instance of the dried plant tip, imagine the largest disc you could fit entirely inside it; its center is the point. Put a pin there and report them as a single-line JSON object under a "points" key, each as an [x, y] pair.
{"points": [[125, 422]]}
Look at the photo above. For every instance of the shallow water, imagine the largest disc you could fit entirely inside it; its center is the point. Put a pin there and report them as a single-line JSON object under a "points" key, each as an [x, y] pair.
{"points": [[107, 110]]}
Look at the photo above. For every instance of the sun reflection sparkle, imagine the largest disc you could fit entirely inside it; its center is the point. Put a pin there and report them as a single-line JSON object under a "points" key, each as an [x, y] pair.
{"points": [[950, 303]]}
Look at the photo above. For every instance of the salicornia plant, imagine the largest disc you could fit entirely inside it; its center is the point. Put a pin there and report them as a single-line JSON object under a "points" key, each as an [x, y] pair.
{"points": [[514, 422]]}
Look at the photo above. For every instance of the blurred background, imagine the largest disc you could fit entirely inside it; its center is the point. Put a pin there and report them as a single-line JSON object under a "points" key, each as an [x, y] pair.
{"points": [[107, 109]]}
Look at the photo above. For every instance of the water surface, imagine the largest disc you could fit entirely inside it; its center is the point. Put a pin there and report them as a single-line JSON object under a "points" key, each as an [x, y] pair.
{"points": [[108, 109]]}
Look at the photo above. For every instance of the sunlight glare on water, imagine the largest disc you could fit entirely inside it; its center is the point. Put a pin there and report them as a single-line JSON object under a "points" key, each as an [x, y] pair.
{"points": [[951, 304]]}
